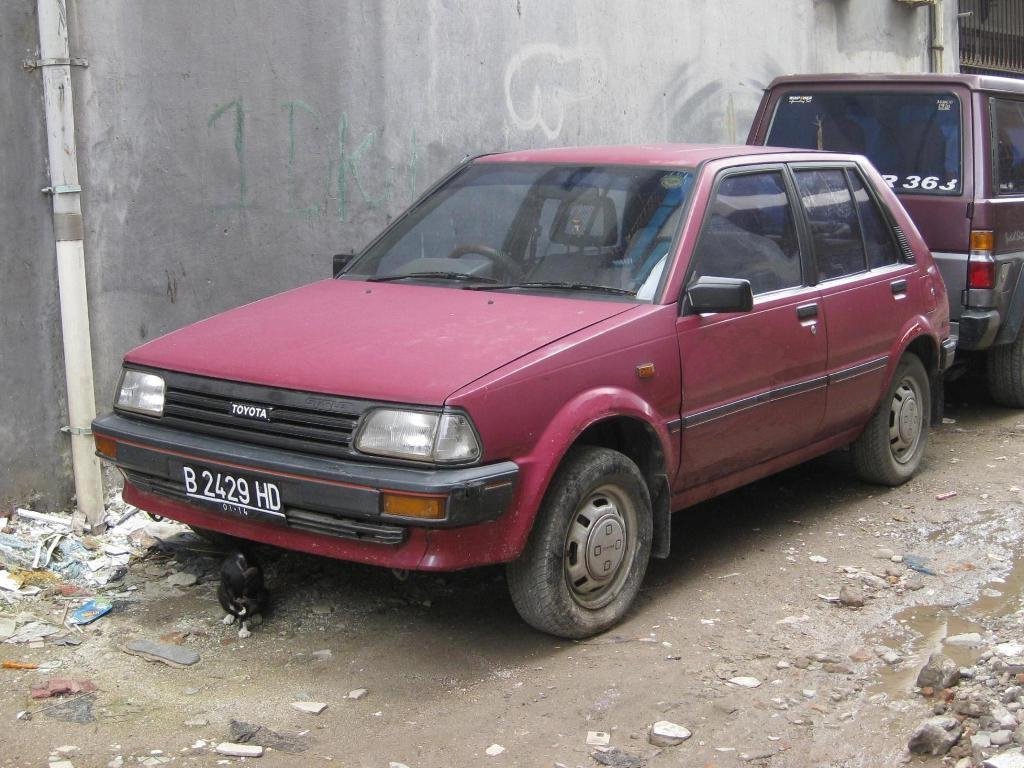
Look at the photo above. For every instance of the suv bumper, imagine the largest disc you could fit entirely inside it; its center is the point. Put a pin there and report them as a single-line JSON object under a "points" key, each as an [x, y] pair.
{"points": [[978, 328], [328, 506]]}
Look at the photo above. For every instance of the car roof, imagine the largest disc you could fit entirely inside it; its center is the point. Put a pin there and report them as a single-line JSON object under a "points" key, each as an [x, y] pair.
{"points": [[974, 82], [671, 155]]}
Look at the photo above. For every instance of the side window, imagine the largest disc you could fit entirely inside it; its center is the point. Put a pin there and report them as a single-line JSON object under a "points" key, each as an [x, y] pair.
{"points": [[1008, 146], [877, 237], [749, 234], [835, 229]]}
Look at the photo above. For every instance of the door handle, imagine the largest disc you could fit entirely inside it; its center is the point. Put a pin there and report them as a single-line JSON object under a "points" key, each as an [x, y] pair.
{"points": [[898, 286], [806, 311]]}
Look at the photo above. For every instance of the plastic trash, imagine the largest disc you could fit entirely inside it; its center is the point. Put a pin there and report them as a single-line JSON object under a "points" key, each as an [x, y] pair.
{"points": [[92, 610]]}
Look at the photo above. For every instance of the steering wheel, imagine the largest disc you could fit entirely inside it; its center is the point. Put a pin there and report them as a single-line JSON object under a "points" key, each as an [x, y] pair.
{"points": [[512, 269]]}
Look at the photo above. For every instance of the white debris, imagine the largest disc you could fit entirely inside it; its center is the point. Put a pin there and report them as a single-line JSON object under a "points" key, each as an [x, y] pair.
{"points": [[357, 693], [494, 750], [239, 750], [666, 734], [310, 707], [745, 682], [598, 738], [818, 559]]}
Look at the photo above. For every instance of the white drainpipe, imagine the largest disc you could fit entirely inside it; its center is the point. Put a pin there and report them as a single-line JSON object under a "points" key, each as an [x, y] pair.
{"points": [[54, 62], [936, 43]]}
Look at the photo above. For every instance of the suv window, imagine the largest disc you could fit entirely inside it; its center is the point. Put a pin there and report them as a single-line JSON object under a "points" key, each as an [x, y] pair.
{"points": [[749, 233], [835, 228], [878, 242], [913, 138], [1008, 130]]}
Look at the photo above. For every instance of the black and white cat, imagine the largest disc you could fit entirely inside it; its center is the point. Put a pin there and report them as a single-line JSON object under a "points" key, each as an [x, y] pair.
{"points": [[241, 592]]}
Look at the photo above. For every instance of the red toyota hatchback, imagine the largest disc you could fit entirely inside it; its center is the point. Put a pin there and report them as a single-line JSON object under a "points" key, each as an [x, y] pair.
{"points": [[544, 358]]}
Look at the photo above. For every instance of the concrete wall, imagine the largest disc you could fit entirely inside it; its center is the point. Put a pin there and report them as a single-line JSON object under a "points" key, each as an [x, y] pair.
{"points": [[34, 455], [229, 148]]}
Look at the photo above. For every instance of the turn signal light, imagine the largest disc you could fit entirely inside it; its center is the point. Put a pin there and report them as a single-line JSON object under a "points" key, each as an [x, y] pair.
{"points": [[981, 268], [105, 447], [403, 505]]}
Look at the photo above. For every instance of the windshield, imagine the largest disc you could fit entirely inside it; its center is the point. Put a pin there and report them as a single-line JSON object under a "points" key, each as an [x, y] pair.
{"points": [[600, 231], [912, 138]]}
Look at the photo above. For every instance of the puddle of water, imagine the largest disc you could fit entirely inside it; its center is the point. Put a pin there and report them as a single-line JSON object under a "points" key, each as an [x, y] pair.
{"points": [[929, 625]]}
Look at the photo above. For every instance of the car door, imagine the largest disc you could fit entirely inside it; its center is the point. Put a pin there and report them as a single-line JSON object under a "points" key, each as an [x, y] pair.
{"points": [[867, 290], [753, 382]]}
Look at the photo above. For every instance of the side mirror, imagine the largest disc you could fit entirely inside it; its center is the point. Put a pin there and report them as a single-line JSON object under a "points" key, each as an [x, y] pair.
{"points": [[341, 261], [719, 294]]}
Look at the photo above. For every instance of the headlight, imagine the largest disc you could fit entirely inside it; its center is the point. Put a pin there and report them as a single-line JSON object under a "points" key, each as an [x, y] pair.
{"points": [[141, 392], [418, 435]]}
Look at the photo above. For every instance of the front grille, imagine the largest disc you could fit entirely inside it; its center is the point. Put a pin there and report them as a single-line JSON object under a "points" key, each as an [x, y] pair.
{"points": [[297, 421], [299, 519]]}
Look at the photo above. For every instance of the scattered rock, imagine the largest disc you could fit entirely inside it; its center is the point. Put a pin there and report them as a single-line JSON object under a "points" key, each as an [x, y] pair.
{"points": [[357, 693], [818, 559], [884, 553], [1001, 738], [239, 750], [1010, 759], [966, 640], [172, 655], [616, 758], [745, 682], [666, 734], [935, 736], [940, 672], [494, 750], [196, 722], [310, 707], [181, 579], [851, 596]]}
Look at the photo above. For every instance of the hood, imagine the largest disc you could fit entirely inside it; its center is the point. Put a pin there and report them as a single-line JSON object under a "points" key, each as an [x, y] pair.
{"points": [[382, 341]]}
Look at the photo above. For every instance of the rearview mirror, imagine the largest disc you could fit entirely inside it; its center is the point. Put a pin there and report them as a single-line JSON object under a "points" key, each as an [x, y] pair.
{"points": [[341, 261], [719, 294]]}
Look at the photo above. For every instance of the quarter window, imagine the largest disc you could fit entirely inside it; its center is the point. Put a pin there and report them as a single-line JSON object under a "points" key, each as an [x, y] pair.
{"points": [[749, 234], [835, 229], [1008, 129], [878, 240]]}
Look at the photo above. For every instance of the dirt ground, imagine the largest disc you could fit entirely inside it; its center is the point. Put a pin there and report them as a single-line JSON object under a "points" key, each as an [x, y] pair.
{"points": [[450, 670]]}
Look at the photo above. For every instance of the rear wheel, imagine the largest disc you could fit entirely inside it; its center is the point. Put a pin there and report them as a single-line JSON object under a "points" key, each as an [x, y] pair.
{"points": [[588, 552], [1006, 373], [890, 449]]}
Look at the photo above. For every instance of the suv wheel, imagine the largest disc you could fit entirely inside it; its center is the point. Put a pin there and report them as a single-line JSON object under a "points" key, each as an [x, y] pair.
{"points": [[1006, 373], [890, 448], [588, 551]]}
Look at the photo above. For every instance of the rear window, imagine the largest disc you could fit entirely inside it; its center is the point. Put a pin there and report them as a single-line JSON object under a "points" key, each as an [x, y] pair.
{"points": [[913, 139]]}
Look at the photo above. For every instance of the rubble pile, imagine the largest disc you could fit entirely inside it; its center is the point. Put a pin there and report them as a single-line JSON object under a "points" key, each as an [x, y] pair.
{"points": [[978, 710]]}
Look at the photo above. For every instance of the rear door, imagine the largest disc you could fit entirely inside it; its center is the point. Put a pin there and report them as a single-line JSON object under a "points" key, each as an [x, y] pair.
{"points": [[753, 382], [867, 291]]}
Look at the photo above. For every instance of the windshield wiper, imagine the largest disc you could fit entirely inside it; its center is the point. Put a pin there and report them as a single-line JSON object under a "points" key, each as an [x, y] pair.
{"points": [[558, 287], [433, 276]]}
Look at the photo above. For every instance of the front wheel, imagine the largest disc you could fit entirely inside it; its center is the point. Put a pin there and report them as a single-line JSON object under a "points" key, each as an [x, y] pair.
{"points": [[1005, 365], [890, 449], [588, 551]]}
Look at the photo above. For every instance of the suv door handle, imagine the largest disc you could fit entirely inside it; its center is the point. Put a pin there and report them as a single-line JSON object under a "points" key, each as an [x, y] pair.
{"points": [[898, 286], [805, 311]]}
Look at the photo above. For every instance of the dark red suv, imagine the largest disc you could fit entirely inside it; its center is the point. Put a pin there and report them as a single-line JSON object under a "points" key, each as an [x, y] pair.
{"points": [[544, 358]]}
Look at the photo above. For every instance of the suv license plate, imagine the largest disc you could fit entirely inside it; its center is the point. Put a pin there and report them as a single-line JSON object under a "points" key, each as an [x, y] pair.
{"points": [[234, 494]]}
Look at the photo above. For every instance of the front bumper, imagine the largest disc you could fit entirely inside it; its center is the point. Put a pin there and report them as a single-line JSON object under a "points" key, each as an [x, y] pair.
{"points": [[322, 496]]}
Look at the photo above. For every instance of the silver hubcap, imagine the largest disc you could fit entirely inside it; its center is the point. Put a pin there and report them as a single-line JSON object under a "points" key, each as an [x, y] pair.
{"points": [[905, 420], [598, 547]]}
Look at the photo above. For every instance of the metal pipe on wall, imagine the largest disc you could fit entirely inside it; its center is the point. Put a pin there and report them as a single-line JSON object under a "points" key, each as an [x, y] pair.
{"points": [[55, 65], [936, 35]]}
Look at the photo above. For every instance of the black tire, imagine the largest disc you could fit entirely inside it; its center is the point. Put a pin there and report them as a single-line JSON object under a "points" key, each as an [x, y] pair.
{"points": [[890, 448], [598, 503], [1005, 365]]}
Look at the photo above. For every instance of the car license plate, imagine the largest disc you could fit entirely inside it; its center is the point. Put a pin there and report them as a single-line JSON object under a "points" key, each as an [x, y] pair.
{"points": [[241, 496]]}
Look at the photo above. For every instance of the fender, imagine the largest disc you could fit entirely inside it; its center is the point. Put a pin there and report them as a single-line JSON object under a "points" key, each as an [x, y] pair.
{"points": [[577, 415], [917, 327]]}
